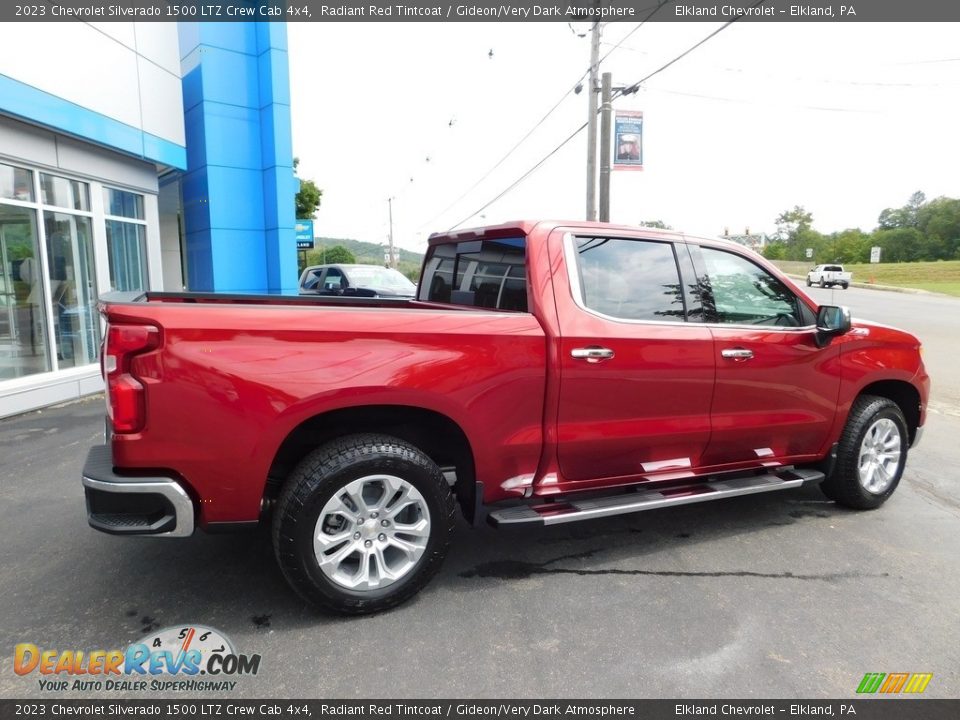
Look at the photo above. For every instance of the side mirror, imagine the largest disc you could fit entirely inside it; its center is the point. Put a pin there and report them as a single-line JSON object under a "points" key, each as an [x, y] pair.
{"points": [[831, 320]]}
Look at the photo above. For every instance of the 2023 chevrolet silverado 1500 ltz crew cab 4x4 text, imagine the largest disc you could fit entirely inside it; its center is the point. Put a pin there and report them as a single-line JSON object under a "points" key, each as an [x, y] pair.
{"points": [[546, 372]]}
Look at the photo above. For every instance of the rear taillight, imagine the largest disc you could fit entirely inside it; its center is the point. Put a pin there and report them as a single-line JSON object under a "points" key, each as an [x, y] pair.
{"points": [[126, 405]]}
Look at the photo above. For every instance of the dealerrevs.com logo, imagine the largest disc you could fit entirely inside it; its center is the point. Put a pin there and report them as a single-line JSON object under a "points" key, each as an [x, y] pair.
{"points": [[182, 658]]}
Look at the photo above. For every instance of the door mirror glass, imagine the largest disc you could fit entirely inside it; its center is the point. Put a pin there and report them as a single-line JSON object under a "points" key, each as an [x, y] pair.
{"points": [[831, 320]]}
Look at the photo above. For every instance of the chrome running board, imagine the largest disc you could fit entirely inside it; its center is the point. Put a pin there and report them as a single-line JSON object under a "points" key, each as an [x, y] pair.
{"points": [[637, 500]]}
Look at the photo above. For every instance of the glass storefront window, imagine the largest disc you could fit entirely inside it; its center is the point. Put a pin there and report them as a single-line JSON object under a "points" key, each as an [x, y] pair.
{"points": [[61, 192], [127, 251], [122, 203], [73, 288], [16, 183], [23, 345]]}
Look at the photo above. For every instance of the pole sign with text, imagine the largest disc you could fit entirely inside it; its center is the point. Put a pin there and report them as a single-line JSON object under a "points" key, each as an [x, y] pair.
{"points": [[628, 140], [304, 231], [875, 254]]}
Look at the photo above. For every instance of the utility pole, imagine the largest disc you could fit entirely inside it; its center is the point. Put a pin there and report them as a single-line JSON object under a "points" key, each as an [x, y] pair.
{"points": [[592, 120], [605, 112], [390, 236]]}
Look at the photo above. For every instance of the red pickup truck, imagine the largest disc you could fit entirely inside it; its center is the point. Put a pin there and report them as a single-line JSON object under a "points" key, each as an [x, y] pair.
{"points": [[546, 372]]}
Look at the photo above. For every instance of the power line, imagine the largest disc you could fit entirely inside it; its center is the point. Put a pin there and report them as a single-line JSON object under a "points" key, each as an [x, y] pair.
{"points": [[522, 177], [653, 9], [745, 101], [576, 132], [508, 154], [635, 86]]}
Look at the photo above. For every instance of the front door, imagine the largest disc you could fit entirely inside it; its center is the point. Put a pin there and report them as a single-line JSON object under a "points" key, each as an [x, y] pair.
{"points": [[776, 391]]}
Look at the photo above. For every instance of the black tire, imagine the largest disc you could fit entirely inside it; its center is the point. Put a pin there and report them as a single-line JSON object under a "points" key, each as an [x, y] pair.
{"points": [[808, 282], [844, 285], [844, 484], [316, 480]]}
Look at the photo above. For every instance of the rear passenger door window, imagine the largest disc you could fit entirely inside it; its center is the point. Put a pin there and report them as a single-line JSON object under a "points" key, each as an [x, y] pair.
{"points": [[630, 279]]}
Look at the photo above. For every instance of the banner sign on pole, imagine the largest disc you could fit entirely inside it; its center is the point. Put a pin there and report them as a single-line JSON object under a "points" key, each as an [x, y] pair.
{"points": [[304, 231], [628, 140]]}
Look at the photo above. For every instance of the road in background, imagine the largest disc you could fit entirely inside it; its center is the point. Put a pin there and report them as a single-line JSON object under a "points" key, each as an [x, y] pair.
{"points": [[775, 595]]}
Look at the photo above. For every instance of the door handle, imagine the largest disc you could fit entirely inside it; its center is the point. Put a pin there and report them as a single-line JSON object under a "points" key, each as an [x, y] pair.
{"points": [[592, 354], [737, 353]]}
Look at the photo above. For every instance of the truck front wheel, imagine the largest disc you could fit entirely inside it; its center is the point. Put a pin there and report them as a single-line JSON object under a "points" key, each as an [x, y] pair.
{"points": [[362, 524], [871, 454]]}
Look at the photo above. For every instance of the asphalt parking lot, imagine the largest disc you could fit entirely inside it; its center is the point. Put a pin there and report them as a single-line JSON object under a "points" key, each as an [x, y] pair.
{"points": [[777, 595]]}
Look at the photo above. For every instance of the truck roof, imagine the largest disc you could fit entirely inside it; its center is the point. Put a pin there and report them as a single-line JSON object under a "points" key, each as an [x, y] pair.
{"points": [[526, 227]]}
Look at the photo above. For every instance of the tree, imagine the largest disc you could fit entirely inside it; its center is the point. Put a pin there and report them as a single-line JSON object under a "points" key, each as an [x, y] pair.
{"points": [[660, 224], [327, 256], [791, 223], [794, 235], [308, 197], [897, 244], [848, 246], [939, 221], [903, 217]]}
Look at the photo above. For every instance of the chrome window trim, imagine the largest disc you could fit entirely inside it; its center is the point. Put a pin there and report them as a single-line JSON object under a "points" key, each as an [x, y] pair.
{"points": [[576, 291]]}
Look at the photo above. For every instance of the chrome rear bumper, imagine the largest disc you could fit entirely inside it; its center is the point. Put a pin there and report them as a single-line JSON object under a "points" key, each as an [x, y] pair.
{"points": [[152, 506]]}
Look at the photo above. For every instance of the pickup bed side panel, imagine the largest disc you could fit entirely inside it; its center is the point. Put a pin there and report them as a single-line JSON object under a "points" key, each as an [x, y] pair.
{"points": [[230, 382]]}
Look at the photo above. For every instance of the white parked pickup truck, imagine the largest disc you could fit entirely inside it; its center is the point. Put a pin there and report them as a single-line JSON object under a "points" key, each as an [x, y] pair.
{"points": [[828, 276]]}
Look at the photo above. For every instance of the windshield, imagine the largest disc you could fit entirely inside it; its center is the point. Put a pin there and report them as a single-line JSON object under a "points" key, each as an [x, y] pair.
{"points": [[378, 277]]}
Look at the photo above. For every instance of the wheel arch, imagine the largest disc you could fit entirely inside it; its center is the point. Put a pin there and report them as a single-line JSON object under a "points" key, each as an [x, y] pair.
{"points": [[905, 395], [435, 434]]}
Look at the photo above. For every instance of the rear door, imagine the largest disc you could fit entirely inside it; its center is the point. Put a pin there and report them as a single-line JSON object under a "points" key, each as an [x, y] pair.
{"points": [[636, 363], [776, 391]]}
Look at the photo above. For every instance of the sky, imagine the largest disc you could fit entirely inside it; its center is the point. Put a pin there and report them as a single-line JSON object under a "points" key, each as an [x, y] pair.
{"points": [[845, 119]]}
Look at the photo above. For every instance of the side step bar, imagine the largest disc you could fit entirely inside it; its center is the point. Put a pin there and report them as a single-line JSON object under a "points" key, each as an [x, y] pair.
{"points": [[572, 510]]}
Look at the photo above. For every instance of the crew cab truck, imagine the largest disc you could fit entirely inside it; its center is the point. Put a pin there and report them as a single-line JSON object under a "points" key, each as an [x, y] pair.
{"points": [[828, 276], [547, 372]]}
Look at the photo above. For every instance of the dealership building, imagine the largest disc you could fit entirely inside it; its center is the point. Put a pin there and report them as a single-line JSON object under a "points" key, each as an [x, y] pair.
{"points": [[134, 156]]}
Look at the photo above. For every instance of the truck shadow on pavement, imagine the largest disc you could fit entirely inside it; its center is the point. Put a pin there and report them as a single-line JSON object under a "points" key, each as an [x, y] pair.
{"points": [[233, 582]]}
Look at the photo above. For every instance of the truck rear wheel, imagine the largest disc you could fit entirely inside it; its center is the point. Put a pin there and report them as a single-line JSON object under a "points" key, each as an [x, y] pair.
{"points": [[362, 524], [871, 454]]}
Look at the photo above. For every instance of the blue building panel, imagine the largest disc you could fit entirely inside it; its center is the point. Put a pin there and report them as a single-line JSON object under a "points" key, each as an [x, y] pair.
{"points": [[196, 203], [238, 192], [199, 261], [238, 261], [236, 198], [232, 136], [229, 77], [271, 36], [38, 106], [276, 148], [274, 72], [194, 127]]}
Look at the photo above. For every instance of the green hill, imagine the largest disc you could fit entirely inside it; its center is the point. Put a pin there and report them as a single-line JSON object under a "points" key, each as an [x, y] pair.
{"points": [[368, 252], [408, 262]]}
